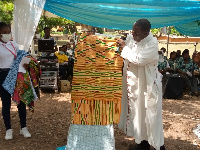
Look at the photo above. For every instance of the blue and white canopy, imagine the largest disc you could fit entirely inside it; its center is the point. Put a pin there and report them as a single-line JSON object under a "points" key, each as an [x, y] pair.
{"points": [[121, 14], [111, 14]]}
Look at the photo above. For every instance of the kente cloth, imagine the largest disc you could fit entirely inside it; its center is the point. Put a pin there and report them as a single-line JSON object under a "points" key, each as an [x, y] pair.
{"points": [[10, 81], [97, 81], [96, 94], [141, 115]]}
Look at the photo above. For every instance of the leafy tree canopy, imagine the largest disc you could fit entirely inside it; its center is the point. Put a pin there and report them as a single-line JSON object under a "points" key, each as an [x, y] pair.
{"points": [[173, 31], [6, 11], [54, 22]]}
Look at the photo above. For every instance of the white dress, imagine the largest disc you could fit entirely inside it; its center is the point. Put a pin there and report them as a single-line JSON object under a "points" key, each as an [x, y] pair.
{"points": [[141, 115]]}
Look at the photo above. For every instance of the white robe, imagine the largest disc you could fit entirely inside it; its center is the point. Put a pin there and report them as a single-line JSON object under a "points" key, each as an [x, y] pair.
{"points": [[141, 115]]}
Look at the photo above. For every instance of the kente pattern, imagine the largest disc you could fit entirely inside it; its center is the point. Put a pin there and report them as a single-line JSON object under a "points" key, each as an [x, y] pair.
{"points": [[97, 81]]}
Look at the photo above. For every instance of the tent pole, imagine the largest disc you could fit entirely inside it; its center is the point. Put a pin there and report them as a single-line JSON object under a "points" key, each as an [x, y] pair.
{"points": [[168, 32]]}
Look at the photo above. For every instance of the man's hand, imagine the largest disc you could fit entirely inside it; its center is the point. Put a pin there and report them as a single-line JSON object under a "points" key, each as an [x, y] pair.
{"points": [[121, 44]]}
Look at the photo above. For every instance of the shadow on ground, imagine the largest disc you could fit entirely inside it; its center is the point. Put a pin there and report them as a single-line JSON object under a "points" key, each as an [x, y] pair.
{"points": [[50, 123]]}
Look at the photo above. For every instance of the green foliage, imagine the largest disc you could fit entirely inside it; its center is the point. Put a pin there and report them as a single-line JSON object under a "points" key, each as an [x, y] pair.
{"points": [[155, 31], [9, 1], [57, 32], [173, 31], [66, 31], [6, 11], [100, 30], [42, 33], [54, 22]]}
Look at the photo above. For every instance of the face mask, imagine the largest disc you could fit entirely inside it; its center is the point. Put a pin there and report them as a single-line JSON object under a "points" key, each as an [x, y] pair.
{"points": [[6, 37]]}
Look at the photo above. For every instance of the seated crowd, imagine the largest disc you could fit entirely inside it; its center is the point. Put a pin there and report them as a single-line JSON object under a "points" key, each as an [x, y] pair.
{"points": [[65, 57], [182, 65]]}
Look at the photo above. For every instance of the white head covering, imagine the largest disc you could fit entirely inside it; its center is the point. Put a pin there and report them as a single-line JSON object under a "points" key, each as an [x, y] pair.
{"points": [[161, 56]]}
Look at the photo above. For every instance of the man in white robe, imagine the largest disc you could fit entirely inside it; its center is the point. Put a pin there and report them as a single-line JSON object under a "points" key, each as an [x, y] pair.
{"points": [[141, 115]]}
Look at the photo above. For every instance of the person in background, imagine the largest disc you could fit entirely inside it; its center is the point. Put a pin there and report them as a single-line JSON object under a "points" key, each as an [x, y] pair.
{"points": [[178, 55], [164, 51], [196, 58], [185, 68], [70, 47], [141, 104], [173, 62], [63, 62], [47, 36], [8, 53], [163, 65]]}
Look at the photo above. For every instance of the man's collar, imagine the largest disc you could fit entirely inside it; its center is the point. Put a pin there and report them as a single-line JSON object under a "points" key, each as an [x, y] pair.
{"points": [[146, 39]]}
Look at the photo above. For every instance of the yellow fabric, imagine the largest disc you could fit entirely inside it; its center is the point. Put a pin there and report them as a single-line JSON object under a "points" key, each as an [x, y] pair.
{"points": [[97, 81], [61, 57]]}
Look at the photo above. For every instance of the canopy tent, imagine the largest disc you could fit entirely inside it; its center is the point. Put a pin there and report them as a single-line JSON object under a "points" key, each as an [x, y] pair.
{"points": [[121, 14], [191, 28], [111, 14]]}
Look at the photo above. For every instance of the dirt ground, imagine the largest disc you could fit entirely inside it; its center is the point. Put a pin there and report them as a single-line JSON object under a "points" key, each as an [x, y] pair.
{"points": [[50, 123]]}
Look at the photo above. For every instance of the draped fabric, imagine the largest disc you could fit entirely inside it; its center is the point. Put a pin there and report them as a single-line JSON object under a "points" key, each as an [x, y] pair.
{"points": [[190, 29], [121, 14], [23, 87], [27, 85], [96, 94], [111, 14], [96, 85], [10, 81], [26, 17]]}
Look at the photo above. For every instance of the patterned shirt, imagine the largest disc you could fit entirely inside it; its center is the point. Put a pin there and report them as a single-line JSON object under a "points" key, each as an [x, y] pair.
{"points": [[163, 65], [190, 66], [179, 58], [171, 63]]}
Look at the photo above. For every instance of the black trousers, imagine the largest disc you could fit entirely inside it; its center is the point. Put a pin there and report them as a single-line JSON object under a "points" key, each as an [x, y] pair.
{"points": [[6, 104]]}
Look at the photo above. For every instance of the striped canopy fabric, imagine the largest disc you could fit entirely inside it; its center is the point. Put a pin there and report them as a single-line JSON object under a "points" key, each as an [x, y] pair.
{"points": [[191, 28], [121, 14]]}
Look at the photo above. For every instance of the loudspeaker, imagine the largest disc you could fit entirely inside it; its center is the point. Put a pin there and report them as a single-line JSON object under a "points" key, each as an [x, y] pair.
{"points": [[172, 86]]}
